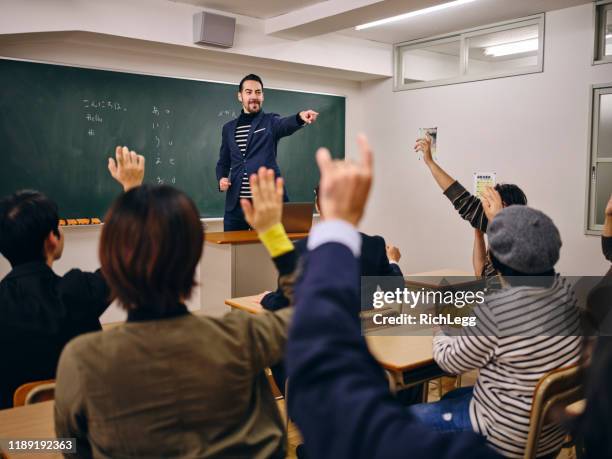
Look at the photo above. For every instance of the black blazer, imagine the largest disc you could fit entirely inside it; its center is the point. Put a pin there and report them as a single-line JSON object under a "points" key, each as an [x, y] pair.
{"points": [[265, 132], [373, 262], [39, 313]]}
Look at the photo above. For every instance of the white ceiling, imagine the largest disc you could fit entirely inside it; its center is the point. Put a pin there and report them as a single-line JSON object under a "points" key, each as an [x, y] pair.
{"points": [[298, 19], [478, 13], [262, 9]]}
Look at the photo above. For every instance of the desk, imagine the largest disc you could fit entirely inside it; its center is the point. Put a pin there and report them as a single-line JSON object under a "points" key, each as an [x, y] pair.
{"points": [[408, 360], [440, 278], [235, 264], [29, 422]]}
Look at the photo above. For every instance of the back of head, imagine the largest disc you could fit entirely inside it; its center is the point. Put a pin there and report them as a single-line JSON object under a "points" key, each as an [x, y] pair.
{"points": [[511, 194], [150, 246], [523, 242], [26, 219]]}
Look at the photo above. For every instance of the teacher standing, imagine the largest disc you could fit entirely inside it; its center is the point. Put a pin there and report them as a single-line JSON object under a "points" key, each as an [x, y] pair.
{"points": [[249, 142]]}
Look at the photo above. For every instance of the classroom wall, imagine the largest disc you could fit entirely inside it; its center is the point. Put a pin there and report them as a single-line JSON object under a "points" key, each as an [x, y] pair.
{"points": [[81, 243], [531, 130]]}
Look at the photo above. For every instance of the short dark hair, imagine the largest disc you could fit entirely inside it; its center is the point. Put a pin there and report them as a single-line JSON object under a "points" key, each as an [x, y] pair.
{"points": [[150, 246], [250, 77], [26, 219], [511, 194], [516, 278]]}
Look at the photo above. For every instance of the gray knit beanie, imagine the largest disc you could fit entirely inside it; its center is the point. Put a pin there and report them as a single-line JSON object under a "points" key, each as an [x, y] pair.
{"points": [[524, 239]]}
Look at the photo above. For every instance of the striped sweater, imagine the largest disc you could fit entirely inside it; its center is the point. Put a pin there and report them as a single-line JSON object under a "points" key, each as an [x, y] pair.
{"points": [[521, 334], [241, 135]]}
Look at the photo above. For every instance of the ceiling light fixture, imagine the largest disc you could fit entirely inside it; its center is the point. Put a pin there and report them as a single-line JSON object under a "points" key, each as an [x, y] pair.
{"points": [[412, 14], [523, 46]]}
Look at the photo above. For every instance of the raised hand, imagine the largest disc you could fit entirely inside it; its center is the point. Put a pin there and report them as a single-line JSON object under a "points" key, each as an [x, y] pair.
{"points": [[266, 209], [393, 253], [491, 202], [424, 146], [127, 168], [345, 185]]}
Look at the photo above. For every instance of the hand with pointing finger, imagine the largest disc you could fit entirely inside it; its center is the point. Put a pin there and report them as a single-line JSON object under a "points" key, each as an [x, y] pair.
{"points": [[345, 185], [309, 116], [127, 168]]}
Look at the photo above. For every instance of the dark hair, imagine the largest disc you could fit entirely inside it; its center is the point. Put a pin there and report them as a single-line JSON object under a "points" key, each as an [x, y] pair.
{"points": [[26, 219], [516, 278], [150, 246], [511, 194], [250, 77]]}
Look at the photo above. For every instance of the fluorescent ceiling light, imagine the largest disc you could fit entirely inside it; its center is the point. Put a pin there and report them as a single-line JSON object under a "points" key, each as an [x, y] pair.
{"points": [[412, 14], [523, 46], [608, 36]]}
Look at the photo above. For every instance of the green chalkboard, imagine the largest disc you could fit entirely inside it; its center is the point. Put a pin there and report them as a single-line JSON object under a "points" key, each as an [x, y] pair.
{"points": [[59, 124]]}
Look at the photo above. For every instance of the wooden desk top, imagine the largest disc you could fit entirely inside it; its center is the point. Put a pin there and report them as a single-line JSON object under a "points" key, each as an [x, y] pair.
{"points": [[29, 422], [395, 353], [241, 237], [440, 277]]}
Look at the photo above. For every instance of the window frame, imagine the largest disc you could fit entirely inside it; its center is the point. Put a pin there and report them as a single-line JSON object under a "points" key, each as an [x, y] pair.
{"points": [[599, 40], [591, 227], [463, 36]]}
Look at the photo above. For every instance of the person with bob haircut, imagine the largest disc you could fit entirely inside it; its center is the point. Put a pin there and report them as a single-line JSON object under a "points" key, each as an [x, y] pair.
{"points": [[168, 383]]}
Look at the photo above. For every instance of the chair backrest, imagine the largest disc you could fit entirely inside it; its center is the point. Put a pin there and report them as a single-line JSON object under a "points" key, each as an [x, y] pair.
{"points": [[34, 392], [554, 391]]}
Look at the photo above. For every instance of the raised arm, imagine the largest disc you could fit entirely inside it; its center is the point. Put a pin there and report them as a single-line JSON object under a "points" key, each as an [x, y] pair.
{"points": [[288, 125], [468, 205], [479, 253], [269, 331], [338, 394], [440, 176]]}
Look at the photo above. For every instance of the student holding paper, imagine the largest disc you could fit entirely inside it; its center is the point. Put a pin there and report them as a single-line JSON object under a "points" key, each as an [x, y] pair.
{"points": [[470, 208]]}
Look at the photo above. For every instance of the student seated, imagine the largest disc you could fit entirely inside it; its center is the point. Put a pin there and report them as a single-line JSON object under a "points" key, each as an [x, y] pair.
{"points": [[472, 209], [339, 396], [168, 383], [595, 423], [377, 260], [525, 330], [39, 310]]}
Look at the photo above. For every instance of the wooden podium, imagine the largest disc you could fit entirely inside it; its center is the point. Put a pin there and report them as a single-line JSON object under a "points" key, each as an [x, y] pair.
{"points": [[235, 264]]}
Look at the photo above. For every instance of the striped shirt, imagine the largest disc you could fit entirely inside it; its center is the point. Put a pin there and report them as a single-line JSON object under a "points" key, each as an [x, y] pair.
{"points": [[522, 333], [470, 209], [242, 133]]}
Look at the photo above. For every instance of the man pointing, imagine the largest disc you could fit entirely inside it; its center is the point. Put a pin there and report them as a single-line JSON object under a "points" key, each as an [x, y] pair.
{"points": [[249, 142]]}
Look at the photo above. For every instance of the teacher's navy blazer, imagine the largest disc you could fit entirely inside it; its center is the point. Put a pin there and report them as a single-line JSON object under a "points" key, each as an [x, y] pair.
{"points": [[265, 132]]}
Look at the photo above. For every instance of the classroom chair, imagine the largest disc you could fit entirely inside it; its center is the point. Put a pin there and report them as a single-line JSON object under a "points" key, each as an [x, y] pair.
{"points": [[34, 392], [553, 393]]}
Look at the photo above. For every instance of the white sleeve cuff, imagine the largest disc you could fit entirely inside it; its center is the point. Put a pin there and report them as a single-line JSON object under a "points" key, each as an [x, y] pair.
{"points": [[335, 231]]}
